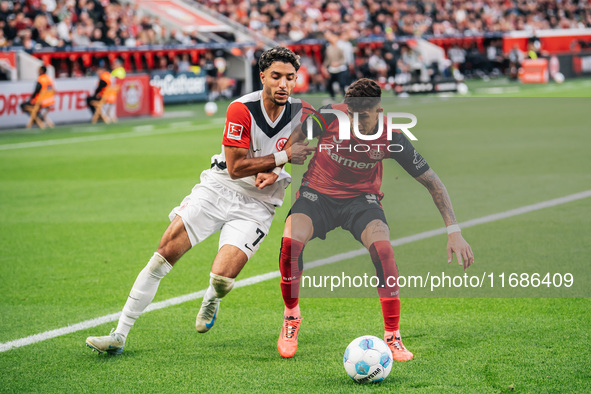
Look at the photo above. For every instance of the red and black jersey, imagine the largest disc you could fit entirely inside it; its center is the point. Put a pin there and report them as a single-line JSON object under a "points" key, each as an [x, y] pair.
{"points": [[348, 168]]}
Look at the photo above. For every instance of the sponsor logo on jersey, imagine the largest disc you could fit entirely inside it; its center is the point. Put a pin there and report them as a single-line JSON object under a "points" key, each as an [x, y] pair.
{"points": [[235, 131], [371, 198], [418, 160], [310, 196], [347, 162]]}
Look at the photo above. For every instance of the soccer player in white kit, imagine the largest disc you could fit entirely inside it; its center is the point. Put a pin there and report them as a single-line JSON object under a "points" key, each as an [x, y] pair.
{"points": [[230, 198]]}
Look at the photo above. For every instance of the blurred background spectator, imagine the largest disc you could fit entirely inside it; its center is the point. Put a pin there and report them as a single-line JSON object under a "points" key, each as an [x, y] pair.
{"points": [[344, 25], [292, 20]]}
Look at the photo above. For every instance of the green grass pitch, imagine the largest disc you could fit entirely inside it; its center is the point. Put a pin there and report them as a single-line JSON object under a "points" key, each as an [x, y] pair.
{"points": [[82, 209]]}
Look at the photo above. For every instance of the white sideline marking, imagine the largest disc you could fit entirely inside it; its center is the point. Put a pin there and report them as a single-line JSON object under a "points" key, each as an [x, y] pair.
{"points": [[275, 274], [137, 131], [178, 114], [498, 90], [181, 124], [90, 129], [143, 128]]}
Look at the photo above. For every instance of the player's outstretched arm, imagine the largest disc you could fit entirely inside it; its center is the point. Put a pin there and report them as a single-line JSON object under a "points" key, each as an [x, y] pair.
{"points": [[455, 243]]}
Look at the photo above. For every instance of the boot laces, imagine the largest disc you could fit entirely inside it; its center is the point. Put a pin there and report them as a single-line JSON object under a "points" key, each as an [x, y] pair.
{"points": [[291, 327]]}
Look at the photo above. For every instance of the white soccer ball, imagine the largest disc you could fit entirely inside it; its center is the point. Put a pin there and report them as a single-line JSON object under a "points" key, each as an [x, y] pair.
{"points": [[462, 88], [211, 108], [559, 77], [368, 359]]}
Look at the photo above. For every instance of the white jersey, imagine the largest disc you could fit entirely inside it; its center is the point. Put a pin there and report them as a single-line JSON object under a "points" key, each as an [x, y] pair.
{"points": [[248, 126]]}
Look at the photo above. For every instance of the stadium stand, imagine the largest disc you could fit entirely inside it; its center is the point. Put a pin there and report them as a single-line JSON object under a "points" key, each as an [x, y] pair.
{"points": [[61, 23], [378, 36], [295, 20]]}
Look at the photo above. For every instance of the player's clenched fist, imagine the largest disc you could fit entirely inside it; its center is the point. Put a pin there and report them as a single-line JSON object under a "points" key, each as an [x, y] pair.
{"points": [[264, 179]]}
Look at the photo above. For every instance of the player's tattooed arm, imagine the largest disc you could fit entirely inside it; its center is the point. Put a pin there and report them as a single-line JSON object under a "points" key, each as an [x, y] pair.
{"points": [[431, 181], [455, 243]]}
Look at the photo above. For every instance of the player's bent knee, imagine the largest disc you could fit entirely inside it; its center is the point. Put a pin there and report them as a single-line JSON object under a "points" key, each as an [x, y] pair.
{"points": [[175, 242], [382, 256], [381, 250], [171, 253], [375, 231], [158, 266], [299, 227]]}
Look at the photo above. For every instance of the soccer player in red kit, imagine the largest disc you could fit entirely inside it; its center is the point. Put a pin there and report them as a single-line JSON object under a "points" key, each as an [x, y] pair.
{"points": [[341, 188]]}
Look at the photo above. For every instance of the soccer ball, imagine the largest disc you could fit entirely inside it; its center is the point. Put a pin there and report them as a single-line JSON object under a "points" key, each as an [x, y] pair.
{"points": [[211, 108], [368, 359], [462, 88], [559, 77]]}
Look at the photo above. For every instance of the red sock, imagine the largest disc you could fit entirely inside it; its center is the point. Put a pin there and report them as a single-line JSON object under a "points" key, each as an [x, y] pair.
{"points": [[290, 266], [382, 256], [391, 313]]}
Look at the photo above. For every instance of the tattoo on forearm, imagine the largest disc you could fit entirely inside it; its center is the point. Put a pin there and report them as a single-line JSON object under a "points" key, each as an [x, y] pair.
{"points": [[440, 196]]}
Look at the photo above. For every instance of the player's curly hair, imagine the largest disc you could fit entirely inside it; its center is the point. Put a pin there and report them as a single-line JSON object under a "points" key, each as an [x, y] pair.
{"points": [[363, 93], [278, 54]]}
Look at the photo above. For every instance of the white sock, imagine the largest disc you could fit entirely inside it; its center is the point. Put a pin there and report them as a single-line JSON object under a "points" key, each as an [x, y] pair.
{"points": [[143, 292], [219, 286]]}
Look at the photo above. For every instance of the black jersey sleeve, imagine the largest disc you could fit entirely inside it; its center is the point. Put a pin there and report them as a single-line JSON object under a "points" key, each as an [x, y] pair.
{"points": [[408, 157], [319, 121]]}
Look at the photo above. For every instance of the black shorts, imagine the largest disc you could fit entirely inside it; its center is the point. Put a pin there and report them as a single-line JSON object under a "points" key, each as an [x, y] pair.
{"points": [[327, 213]]}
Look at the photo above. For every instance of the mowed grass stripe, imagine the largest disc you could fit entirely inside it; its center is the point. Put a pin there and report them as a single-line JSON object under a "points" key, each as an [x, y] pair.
{"points": [[275, 274], [137, 131]]}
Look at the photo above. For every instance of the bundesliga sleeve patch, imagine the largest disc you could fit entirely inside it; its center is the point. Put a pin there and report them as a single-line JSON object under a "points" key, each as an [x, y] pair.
{"points": [[235, 131]]}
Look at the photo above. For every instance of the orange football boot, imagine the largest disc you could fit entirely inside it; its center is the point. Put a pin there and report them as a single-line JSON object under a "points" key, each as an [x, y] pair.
{"points": [[399, 352], [288, 339]]}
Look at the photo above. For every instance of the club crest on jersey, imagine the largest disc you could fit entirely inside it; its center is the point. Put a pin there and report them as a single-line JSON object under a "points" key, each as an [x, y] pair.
{"points": [[334, 139], [235, 131], [280, 143], [376, 154]]}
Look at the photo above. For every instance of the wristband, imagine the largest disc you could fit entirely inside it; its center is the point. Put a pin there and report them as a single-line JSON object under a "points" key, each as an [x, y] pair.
{"points": [[454, 228], [280, 158], [276, 171]]}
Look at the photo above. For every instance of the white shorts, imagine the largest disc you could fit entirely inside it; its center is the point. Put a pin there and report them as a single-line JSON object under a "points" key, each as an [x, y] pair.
{"points": [[243, 221]]}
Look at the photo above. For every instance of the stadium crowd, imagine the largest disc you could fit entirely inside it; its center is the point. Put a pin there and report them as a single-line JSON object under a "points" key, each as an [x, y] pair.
{"points": [[59, 23], [295, 20], [35, 24]]}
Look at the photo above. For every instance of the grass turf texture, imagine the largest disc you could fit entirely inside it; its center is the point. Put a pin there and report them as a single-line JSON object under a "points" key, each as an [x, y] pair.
{"points": [[80, 220]]}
